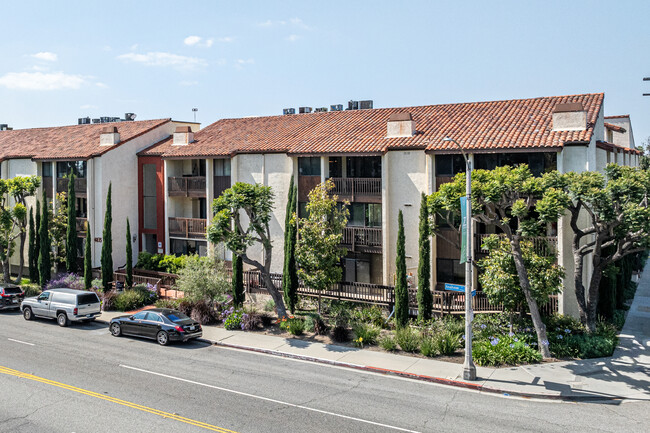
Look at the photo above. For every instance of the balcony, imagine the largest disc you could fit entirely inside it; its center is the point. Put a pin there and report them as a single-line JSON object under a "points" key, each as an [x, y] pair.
{"points": [[544, 245], [193, 186], [359, 189], [362, 239], [221, 183], [188, 228], [80, 184], [81, 227]]}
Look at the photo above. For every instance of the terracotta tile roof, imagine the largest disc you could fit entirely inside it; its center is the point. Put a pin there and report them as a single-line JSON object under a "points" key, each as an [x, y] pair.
{"points": [[621, 116], [68, 142], [478, 126], [615, 147], [614, 127]]}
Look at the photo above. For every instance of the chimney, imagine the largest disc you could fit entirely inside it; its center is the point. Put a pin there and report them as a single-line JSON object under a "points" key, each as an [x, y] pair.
{"points": [[109, 136], [400, 125], [183, 136], [569, 117]]}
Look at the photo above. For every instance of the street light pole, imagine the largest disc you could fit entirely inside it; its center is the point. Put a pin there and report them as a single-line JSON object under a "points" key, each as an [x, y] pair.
{"points": [[469, 370]]}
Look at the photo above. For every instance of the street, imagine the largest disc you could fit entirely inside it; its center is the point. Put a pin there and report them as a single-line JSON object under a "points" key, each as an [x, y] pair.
{"points": [[81, 379]]}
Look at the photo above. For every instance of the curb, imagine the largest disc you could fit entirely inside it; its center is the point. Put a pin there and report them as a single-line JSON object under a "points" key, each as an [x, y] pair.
{"points": [[424, 378]]}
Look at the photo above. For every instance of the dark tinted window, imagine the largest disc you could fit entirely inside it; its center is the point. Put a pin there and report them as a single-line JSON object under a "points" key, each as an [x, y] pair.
{"points": [[336, 164], [12, 290], [140, 316], [309, 166], [449, 165], [154, 317], [87, 298], [364, 166], [177, 316]]}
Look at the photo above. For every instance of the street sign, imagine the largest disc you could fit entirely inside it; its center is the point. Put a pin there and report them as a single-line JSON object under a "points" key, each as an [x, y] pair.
{"points": [[457, 288]]}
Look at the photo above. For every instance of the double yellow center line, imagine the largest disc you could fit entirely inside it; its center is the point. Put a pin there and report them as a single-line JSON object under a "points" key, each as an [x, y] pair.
{"points": [[20, 374]]}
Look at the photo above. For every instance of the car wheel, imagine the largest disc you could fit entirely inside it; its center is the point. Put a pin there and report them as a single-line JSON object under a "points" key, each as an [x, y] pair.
{"points": [[116, 329], [27, 313], [62, 319], [162, 338]]}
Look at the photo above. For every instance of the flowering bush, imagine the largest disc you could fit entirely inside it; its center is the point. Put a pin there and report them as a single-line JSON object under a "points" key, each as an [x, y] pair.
{"points": [[69, 281], [232, 319], [293, 325], [366, 334], [505, 349]]}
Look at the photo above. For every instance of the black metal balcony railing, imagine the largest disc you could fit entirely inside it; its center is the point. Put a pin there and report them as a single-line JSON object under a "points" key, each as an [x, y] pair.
{"points": [[193, 186], [80, 185], [363, 239], [191, 228], [354, 188]]}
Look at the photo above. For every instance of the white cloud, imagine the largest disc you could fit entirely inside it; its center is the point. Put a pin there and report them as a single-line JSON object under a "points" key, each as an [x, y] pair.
{"points": [[45, 55], [41, 81], [293, 38], [188, 83], [134, 47], [101, 85], [88, 107], [296, 22], [40, 68], [226, 39], [192, 40], [208, 43], [299, 23], [240, 63], [164, 59]]}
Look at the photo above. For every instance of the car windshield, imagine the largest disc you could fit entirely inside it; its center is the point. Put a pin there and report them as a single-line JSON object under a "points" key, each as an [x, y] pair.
{"points": [[177, 316], [87, 298], [12, 290]]}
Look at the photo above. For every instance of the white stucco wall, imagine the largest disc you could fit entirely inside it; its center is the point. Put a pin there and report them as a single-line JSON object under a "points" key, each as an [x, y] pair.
{"points": [[22, 167]]}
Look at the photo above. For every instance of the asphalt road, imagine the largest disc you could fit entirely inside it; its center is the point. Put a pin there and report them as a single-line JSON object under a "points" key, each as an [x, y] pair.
{"points": [[81, 379]]}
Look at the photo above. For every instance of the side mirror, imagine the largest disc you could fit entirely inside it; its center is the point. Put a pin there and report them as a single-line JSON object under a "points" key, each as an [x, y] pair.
{"points": [[131, 317]]}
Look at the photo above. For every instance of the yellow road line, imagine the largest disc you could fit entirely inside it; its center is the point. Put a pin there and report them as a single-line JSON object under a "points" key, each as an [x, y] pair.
{"points": [[12, 372]]}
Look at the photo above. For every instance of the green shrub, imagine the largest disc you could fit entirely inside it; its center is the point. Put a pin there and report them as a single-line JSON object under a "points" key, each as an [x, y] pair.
{"points": [[233, 320], [630, 290], [293, 325], [428, 346], [168, 303], [595, 346], [340, 316], [269, 306], [31, 289], [129, 300], [203, 279], [341, 334], [507, 350], [108, 299], [408, 339], [366, 334], [388, 343], [446, 342], [618, 319], [315, 323], [160, 262], [371, 315]]}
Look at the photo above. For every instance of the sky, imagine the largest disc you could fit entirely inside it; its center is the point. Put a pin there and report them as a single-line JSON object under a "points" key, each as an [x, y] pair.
{"points": [[61, 60]]}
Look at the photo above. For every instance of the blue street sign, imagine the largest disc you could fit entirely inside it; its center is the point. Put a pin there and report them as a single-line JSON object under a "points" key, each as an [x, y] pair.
{"points": [[457, 288]]}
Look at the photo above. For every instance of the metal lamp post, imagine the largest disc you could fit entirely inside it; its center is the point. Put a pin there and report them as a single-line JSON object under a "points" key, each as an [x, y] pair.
{"points": [[469, 370]]}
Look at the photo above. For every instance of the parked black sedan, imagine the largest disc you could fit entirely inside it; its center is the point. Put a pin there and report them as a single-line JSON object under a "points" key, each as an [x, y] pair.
{"points": [[160, 324], [10, 296]]}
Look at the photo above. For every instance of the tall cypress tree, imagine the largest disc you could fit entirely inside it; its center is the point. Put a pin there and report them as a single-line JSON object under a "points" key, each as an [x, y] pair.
{"points": [[237, 281], [88, 262], [71, 252], [44, 261], [37, 239], [425, 297], [107, 244], [32, 259], [401, 290], [129, 256], [290, 274]]}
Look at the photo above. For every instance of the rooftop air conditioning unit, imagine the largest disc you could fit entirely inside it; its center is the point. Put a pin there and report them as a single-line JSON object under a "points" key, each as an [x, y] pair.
{"points": [[286, 111], [4, 127], [320, 110], [97, 120], [304, 110], [115, 119], [365, 105], [353, 105], [104, 119], [129, 117], [84, 121], [337, 107]]}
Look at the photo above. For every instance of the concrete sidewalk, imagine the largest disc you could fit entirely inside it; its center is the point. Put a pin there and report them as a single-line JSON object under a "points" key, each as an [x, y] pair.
{"points": [[626, 375]]}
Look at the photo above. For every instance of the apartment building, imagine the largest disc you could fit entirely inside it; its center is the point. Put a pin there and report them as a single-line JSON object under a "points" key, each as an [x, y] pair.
{"points": [[99, 154], [380, 160]]}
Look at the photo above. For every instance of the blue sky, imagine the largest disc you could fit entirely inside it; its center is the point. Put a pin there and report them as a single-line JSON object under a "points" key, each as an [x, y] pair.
{"points": [[61, 60]]}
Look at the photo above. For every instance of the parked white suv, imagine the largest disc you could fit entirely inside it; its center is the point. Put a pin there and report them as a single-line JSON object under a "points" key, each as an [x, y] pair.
{"points": [[64, 305]]}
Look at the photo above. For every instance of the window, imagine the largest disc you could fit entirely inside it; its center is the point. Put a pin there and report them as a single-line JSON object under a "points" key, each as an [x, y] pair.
{"points": [[538, 162], [153, 317], [87, 298], [364, 215], [177, 317], [364, 166], [222, 167], [64, 168], [140, 316], [450, 271], [309, 166], [449, 165], [180, 247], [150, 204], [47, 169], [302, 209], [336, 166], [373, 215]]}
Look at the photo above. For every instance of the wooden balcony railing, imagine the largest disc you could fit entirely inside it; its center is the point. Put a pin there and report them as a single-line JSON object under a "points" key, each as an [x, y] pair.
{"points": [[79, 185], [363, 239], [357, 188], [193, 186], [544, 245], [221, 183], [191, 228], [81, 227]]}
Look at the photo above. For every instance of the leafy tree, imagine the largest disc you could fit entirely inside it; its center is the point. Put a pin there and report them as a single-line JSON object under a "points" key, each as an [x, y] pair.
{"points": [[518, 204], [58, 226], [644, 162], [609, 210], [500, 281], [318, 251], [401, 289], [88, 262], [290, 275], [255, 203], [37, 239], [203, 278], [129, 256], [71, 252], [44, 262], [424, 295], [32, 258], [238, 295], [13, 219], [107, 243]]}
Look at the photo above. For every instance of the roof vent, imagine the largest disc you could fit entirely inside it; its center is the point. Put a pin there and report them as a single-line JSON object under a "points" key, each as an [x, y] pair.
{"points": [[286, 111], [336, 107], [353, 105], [320, 110], [400, 125], [183, 136], [569, 116], [304, 110], [109, 136]]}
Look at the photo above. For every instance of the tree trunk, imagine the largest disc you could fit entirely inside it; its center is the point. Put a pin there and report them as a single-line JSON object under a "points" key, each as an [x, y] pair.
{"points": [[578, 285], [275, 294], [592, 300], [5, 271], [540, 328], [23, 236]]}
